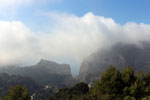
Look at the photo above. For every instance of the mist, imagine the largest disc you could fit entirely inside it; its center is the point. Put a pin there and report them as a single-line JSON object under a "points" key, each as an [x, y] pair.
{"points": [[70, 39]]}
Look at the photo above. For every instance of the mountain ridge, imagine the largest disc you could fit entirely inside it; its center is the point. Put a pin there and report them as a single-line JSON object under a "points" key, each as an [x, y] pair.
{"points": [[44, 72], [120, 55]]}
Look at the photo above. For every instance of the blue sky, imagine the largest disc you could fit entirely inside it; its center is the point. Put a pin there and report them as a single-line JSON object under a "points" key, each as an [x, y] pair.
{"points": [[122, 11], [67, 31]]}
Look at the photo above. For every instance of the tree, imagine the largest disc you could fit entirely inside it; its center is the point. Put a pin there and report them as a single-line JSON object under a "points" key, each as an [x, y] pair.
{"points": [[128, 98], [147, 85], [80, 88], [113, 85], [18, 93], [110, 85], [128, 78], [138, 88], [75, 93]]}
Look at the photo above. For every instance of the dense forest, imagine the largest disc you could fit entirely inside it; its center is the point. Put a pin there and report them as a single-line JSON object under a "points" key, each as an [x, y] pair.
{"points": [[113, 85]]}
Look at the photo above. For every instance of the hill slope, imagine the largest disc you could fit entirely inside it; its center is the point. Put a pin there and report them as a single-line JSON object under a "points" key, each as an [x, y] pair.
{"points": [[7, 81], [119, 55], [44, 72]]}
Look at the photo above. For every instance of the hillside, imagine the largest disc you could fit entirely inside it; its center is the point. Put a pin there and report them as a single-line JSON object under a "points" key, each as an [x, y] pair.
{"points": [[7, 81], [112, 85], [44, 72], [119, 55]]}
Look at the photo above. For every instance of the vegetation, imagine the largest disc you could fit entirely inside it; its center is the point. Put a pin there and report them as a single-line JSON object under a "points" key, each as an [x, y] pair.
{"points": [[17, 93], [38, 91], [113, 85], [8, 81], [72, 93]]}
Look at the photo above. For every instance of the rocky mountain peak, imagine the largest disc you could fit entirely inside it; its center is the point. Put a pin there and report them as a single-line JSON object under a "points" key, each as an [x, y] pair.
{"points": [[119, 55], [45, 62]]}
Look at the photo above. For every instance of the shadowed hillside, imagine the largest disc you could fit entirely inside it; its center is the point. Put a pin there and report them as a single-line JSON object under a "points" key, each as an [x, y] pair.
{"points": [[119, 55], [44, 72]]}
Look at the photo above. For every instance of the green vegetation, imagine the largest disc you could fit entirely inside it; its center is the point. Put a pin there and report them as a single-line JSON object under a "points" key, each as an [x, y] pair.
{"points": [[113, 85], [8, 81], [73, 93], [17, 93]]}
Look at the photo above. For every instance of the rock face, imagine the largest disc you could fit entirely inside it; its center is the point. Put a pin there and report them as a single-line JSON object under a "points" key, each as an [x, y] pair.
{"points": [[44, 72], [119, 55], [53, 67]]}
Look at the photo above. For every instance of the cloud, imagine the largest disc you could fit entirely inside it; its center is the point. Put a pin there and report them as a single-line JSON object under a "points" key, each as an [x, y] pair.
{"points": [[16, 40], [70, 36]]}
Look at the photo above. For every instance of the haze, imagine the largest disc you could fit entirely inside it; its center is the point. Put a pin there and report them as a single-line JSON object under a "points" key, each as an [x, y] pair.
{"points": [[53, 30]]}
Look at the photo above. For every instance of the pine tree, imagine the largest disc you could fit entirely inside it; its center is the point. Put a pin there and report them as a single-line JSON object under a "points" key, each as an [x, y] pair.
{"points": [[18, 93]]}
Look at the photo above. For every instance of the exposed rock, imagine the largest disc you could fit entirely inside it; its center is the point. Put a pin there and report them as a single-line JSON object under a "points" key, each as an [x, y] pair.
{"points": [[119, 55], [53, 67], [44, 72]]}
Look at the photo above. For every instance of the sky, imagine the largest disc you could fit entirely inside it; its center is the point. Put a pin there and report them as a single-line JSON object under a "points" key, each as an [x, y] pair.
{"points": [[121, 11], [67, 31]]}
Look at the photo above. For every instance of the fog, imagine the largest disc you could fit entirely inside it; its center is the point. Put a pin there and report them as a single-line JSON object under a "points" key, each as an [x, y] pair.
{"points": [[69, 40]]}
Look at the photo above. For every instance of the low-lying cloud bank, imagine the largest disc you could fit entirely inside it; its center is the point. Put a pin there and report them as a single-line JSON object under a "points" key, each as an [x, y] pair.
{"points": [[70, 36]]}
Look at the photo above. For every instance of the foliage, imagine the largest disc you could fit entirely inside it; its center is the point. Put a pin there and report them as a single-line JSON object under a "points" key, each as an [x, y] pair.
{"points": [[17, 93], [73, 93], [8, 81], [113, 85]]}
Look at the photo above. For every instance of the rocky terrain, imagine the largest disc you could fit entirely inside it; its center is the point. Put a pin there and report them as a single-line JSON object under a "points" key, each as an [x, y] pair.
{"points": [[44, 72], [120, 55]]}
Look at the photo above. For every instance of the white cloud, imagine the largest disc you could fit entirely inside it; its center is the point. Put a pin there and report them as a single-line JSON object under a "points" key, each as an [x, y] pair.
{"points": [[16, 41], [71, 36]]}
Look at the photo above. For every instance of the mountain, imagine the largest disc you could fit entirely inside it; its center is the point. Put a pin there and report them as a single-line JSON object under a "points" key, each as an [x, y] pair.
{"points": [[119, 55], [8, 81], [44, 72]]}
